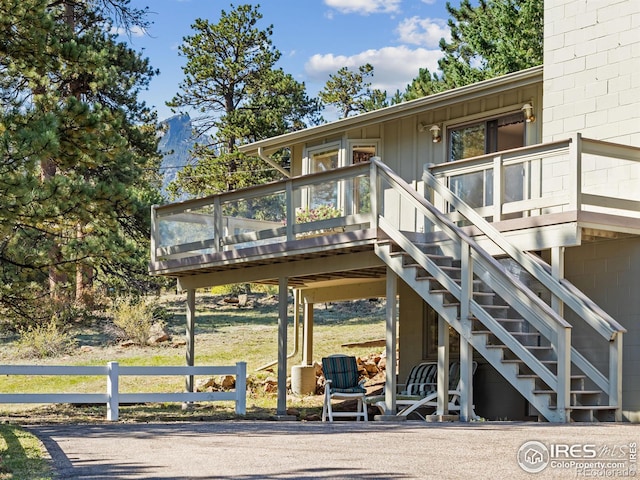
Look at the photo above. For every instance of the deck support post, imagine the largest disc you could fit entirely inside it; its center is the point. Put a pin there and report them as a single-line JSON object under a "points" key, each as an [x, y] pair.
{"points": [[557, 271], [390, 344], [466, 351], [191, 320], [443, 367], [307, 342], [281, 409]]}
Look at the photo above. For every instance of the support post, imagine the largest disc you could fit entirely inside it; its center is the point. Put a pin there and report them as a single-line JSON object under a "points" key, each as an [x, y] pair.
{"points": [[563, 393], [557, 271], [191, 320], [615, 375], [466, 351], [307, 345], [112, 392], [390, 344], [443, 367], [281, 409]]}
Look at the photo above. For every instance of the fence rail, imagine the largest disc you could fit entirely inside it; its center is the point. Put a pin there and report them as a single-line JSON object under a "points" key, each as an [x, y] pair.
{"points": [[113, 398]]}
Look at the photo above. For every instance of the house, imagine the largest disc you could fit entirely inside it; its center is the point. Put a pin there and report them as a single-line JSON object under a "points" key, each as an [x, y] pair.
{"points": [[504, 216]]}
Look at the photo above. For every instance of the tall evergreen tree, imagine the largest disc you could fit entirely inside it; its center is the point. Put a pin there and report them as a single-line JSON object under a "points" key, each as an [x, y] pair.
{"points": [[493, 38], [230, 78], [78, 148], [351, 93]]}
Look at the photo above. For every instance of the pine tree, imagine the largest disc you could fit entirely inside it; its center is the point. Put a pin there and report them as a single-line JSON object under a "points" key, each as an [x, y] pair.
{"points": [[493, 38], [231, 80], [79, 150], [351, 93]]}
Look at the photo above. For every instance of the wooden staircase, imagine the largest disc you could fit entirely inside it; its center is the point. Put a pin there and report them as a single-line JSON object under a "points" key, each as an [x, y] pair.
{"points": [[586, 403], [520, 335]]}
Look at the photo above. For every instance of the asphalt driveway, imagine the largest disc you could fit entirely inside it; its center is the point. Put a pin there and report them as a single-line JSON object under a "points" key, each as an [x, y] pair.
{"points": [[342, 450]]}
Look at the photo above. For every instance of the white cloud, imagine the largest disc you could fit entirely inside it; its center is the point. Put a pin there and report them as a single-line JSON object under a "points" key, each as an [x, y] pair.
{"points": [[423, 31], [364, 7], [133, 31], [394, 67]]}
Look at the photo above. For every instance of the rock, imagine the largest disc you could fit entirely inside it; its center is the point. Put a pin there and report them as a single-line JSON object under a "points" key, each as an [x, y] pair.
{"points": [[158, 334], [204, 384]]}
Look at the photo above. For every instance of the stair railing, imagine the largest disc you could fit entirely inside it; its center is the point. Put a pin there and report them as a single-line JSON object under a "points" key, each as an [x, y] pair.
{"points": [[563, 290], [557, 330], [475, 260]]}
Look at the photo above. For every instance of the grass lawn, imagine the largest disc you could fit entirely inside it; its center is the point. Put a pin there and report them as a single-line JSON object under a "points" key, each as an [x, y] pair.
{"points": [[21, 455], [224, 333]]}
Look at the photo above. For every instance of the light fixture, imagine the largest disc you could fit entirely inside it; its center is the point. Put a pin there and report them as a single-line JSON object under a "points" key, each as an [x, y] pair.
{"points": [[527, 109], [435, 133]]}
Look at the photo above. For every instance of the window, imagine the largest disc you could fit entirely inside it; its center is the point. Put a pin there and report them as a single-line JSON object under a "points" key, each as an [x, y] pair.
{"points": [[362, 151], [323, 159], [488, 136]]}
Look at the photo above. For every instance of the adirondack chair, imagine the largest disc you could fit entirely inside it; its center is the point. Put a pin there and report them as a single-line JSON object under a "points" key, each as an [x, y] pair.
{"points": [[341, 374], [420, 391], [420, 382], [431, 399]]}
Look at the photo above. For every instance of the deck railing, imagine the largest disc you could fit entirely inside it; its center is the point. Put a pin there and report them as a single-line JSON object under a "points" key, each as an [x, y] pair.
{"points": [[262, 215], [576, 174], [562, 176]]}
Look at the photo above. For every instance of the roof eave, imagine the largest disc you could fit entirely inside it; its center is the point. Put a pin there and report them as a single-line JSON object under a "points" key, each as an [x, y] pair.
{"points": [[521, 78]]}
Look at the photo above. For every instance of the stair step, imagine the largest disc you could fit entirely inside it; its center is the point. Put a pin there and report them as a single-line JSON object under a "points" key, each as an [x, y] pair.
{"points": [[457, 280], [593, 407], [444, 268], [533, 375], [515, 334], [572, 392], [519, 360], [587, 407], [538, 348]]}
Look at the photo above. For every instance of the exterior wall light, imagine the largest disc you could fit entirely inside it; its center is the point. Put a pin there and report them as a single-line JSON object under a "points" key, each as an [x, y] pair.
{"points": [[527, 109], [435, 133]]}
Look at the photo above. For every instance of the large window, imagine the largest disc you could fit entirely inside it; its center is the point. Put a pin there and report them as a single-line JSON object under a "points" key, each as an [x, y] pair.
{"points": [[361, 151], [489, 136], [323, 159]]}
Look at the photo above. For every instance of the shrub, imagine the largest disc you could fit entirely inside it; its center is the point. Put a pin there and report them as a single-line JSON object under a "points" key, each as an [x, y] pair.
{"points": [[45, 340], [133, 319]]}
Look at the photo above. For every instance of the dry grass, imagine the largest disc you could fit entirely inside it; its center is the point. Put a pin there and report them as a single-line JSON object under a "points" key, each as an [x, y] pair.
{"points": [[225, 334]]}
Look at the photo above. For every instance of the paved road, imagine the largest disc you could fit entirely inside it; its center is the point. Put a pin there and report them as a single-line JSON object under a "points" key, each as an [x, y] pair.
{"points": [[249, 450]]}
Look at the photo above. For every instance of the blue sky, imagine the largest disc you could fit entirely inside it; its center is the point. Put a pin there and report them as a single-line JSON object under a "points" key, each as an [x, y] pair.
{"points": [[316, 38]]}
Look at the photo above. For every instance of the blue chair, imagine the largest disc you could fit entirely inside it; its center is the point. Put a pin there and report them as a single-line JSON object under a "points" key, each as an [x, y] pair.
{"points": [[341, 374]]}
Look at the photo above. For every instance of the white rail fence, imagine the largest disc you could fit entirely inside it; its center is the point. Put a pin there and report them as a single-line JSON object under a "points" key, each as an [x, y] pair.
{"points": [[113, 398]]}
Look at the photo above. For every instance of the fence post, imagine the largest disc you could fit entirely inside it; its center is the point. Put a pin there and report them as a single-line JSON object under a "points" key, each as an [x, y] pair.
{"points": [[241, 388], [112, 391]]}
